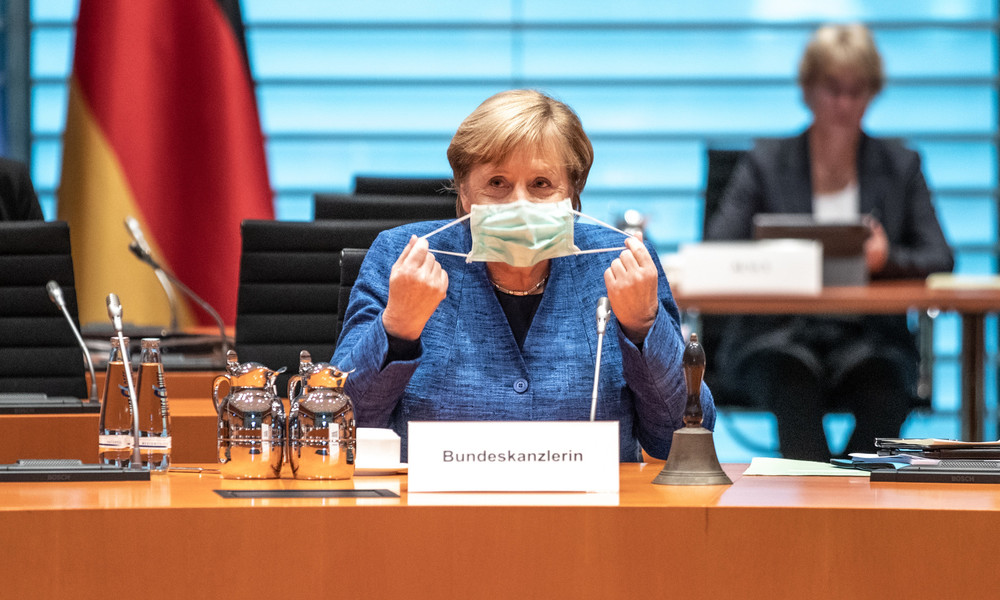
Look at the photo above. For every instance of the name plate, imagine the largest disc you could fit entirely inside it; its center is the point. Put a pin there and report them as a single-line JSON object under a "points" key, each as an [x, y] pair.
{"points": [[513, 456], [759, 267]]}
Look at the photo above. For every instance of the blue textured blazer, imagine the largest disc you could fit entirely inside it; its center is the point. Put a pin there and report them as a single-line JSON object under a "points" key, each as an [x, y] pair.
{"points": [[470, 367]]}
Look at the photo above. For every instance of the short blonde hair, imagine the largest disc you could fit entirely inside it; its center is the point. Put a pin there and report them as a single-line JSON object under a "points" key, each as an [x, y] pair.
{"points": [[517, 120], [834, 47]]}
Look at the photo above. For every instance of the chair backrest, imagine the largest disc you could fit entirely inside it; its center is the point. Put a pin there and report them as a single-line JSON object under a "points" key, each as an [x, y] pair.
{"points": [[721, 164], [38, 351], [382, 206], [289, 288], [350, 266], [403, 186]]}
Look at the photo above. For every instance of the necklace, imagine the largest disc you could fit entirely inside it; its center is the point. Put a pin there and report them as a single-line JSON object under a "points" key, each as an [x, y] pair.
{"points": [[526, 292]]}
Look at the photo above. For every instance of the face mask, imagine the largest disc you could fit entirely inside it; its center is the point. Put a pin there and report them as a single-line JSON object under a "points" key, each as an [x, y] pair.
{"points": [[522, 233]]}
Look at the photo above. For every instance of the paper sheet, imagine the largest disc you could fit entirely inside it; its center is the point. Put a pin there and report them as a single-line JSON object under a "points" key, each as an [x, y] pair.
{"points": [[762, 465]]}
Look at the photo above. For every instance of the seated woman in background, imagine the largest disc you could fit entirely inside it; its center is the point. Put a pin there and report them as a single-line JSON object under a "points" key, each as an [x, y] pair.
{"points": [[493, 316], [801, 366]]}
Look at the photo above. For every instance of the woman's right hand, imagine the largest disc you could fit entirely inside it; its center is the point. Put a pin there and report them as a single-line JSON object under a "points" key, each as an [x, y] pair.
{"points": [[417, 284]]}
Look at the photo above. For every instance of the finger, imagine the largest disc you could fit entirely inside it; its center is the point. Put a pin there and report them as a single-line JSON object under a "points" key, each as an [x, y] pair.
{"points": [[442, 278], [617, 269], [430, 260], [628, 260], [639, 251], [418, 254], [407, 249]]}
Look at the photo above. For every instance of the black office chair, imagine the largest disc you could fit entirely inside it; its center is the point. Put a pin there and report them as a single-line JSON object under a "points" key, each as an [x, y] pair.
{"points": [[403, 186], [721, 164], [38, 351], [350, 266], [382, 206], [289, 288]]}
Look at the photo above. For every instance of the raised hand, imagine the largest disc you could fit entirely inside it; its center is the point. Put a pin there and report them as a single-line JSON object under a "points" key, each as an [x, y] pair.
{"points": [[632, 281], [417, 284]]}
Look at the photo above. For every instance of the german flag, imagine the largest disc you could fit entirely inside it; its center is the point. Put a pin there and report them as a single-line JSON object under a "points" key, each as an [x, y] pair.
{"points": [[162, 125]]}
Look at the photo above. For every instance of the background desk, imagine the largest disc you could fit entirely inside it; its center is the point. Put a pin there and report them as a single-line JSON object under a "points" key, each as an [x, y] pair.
{"points": [[885, 297], [192, 417], [762, 537]]}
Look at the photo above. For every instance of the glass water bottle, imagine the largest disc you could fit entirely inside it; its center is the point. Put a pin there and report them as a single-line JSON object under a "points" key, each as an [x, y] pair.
{"points": [[114, 446], [154, 413]]}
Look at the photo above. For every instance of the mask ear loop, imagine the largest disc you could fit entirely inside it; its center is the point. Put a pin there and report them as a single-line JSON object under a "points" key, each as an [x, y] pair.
{"points": [[442, 228], [600, 222]]}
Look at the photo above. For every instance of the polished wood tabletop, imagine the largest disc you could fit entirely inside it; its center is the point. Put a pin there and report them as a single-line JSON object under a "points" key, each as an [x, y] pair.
{"points": [[884, 297], [762, 537], [879, 297]]}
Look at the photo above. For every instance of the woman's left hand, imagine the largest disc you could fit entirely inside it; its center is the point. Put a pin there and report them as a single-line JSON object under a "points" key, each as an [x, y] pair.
{"points": [[632, 282]]}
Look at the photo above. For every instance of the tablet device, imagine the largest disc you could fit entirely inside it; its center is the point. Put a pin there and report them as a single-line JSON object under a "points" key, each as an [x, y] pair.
{"points": [[843, 242]]}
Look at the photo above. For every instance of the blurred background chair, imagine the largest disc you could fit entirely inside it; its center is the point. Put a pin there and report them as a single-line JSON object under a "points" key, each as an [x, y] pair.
{"points": [[289, 288], [383, 206], [38, 351], [403, 186], [710, 328], [350, 266]]}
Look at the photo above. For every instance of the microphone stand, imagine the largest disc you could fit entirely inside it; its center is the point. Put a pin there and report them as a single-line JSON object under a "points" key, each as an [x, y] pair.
{"points": [[56, 295], [603, 312], [137, 236], [115, 313], [149, 260]]}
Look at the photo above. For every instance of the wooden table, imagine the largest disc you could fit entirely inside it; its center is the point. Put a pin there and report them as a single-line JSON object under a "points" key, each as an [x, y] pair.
{"points": [[762, 537], [885, 297]]}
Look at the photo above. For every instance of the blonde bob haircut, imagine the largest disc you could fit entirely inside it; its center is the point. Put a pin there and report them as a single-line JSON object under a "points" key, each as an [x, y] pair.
{"points": [[518, 120], [837, 47]]}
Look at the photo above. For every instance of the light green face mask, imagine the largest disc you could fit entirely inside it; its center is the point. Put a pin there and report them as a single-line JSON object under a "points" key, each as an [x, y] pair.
{"points": [[522, 233]]}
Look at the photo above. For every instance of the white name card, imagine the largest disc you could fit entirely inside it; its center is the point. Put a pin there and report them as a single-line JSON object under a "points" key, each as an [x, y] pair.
{"points": [[513, 456], [759, 267]]}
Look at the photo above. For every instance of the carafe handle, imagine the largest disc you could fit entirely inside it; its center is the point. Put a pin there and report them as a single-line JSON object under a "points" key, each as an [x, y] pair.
{"points": [[215, 388], [293, 382]]}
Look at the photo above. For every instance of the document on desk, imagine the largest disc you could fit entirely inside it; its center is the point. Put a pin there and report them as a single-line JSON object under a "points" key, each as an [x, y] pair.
{"points": [[765, 465]]}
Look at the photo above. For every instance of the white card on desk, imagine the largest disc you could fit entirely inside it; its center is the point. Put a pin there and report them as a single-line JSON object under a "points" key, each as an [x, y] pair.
{"points": [[513, 456], [758, 267]]}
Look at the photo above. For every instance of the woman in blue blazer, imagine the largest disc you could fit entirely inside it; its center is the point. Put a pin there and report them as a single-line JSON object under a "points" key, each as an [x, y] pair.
{"points": [[492, 316], [800, 366]]}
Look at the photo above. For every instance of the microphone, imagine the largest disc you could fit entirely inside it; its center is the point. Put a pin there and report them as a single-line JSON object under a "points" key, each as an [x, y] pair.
{"points": [[147, 258], [603, 314], [56, 295], [115, 314], [139, 239]]}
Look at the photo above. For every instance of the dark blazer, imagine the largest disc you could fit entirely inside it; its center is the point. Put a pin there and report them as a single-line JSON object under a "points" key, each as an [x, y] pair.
{"points": [[18, 201], [774, 177]]}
